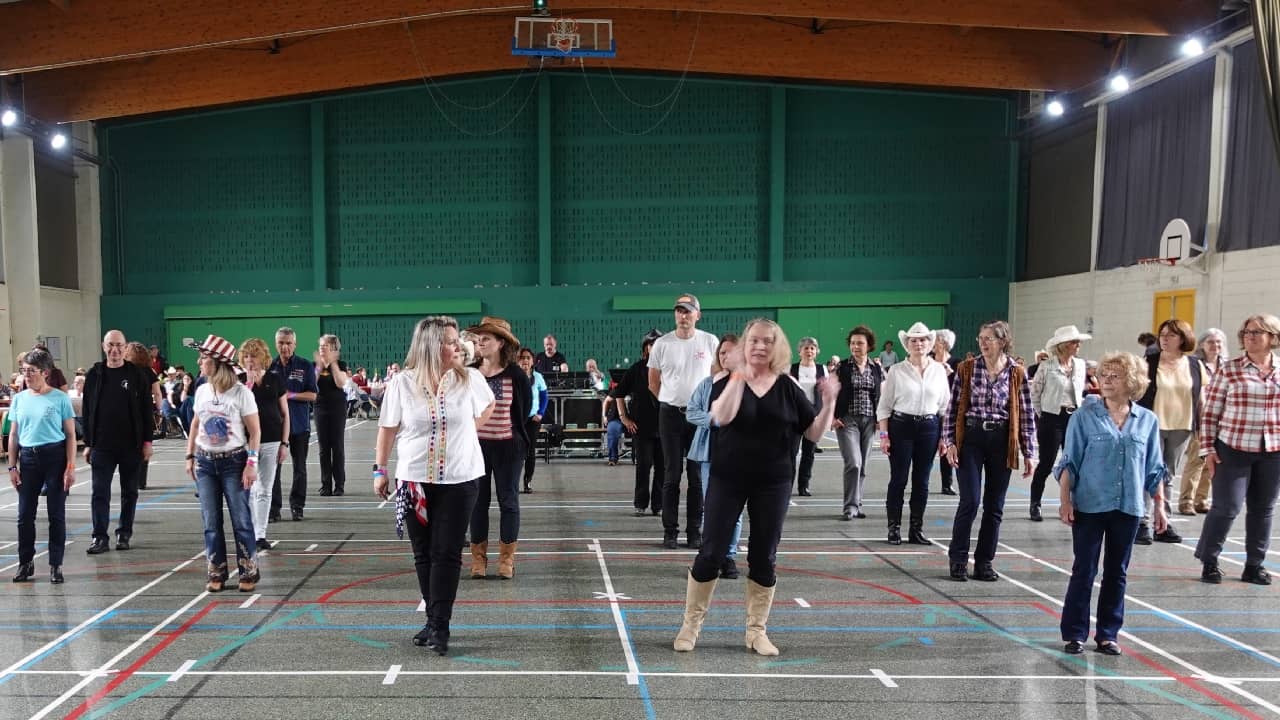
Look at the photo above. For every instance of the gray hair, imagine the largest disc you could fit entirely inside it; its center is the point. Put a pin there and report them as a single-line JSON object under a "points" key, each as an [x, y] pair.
{"points": [[948, 337], [286, 331], [1000, 329], [1212, 333], [40, 359], [806, 342]]}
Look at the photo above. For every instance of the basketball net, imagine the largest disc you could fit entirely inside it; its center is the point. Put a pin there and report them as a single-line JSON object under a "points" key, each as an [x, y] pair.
{"points": [[564, 35]]}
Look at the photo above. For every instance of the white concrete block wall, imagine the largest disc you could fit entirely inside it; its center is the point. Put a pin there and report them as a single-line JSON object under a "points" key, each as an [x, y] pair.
{"points": [[1115, 305]]}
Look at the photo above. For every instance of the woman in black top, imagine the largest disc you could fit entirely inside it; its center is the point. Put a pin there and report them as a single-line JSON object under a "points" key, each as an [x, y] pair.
{"points": [[273, 420], [138, 354], [503, 439], [760, 416], [331, 416]]}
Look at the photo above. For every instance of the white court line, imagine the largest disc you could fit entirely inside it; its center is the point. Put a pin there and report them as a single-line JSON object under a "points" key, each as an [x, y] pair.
{"points": [[884, 679], [1241, 543], [313, 546], [633, 668], [84, 482], [42, 553], [422, 606], [54, 642], [1195, 670], [8, 545], [623, 553], [108, 665], [1221, 558], [252, 599], [390, 677], [803, 603], [182, 670]]}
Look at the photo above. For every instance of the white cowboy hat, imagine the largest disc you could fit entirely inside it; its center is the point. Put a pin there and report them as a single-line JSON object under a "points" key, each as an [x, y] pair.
{"points": [[1066, 333], [919, 329]]}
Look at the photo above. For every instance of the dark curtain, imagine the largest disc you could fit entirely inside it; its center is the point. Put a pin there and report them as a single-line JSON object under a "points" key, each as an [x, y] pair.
{"points": [[1251, 199], [1157, 164], [1266, 35], [1059, 195]]}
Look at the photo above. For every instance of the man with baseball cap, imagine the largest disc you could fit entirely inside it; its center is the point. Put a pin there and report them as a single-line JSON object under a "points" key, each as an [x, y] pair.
{"points": [[678, 361]]}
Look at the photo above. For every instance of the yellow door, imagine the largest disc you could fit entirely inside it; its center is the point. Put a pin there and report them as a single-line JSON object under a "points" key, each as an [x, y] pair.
{"points": [[1180, 304]]}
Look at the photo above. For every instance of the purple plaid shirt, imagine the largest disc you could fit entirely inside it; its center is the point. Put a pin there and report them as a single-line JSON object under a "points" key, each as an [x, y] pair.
{"points": [[989, 400]]}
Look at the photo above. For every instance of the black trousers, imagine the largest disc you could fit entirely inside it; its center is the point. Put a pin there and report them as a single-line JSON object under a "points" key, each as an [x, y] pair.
{"points": [[913, 444], [805, 472], [648, 455], [299, 444], [437, 548], [766, 499], [676, 435], [103, 464], [331, 425], [531, 453], [1051, 433]]}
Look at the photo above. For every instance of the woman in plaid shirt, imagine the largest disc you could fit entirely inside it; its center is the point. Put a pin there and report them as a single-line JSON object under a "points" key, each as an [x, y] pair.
{"points": [[1240, 442]]}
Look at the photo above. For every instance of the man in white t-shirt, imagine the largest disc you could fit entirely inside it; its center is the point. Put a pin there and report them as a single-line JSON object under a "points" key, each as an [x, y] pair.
{"points": [[679, 361]]}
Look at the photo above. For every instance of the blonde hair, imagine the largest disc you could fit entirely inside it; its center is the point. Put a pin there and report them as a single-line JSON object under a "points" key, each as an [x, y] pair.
{"points": [[1133, 371], [223, 378], [780, 355], [1269, 322], [332, 341], [256, 349], [423, 357]]}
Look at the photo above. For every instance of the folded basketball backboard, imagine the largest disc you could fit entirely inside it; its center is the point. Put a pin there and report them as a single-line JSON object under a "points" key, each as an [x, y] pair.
{"points": [[563, 37]]}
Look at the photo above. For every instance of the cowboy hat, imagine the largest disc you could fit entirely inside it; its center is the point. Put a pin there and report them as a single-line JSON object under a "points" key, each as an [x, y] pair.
{"points": [[1065, 334], [496, 327], [919, 329]]}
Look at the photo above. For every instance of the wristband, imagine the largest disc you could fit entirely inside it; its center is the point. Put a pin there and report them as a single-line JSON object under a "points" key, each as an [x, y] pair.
{"points": [[191, 456], [379, 473], [253, 453], [251, 462], [12, 468], [284, 444], [289, 395], [146, 443], [884, 433]]}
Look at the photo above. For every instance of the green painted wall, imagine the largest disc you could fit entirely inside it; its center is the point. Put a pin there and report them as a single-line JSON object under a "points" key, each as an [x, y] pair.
{"points": [[543, 199]]}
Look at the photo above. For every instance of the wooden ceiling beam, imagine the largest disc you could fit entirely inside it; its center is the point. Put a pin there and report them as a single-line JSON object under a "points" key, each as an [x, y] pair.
{"points": [[921, 55], [39, 36]]}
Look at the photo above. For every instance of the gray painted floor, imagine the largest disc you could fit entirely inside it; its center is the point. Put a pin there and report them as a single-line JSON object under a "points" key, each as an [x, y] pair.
{"points": [[866, 629]]}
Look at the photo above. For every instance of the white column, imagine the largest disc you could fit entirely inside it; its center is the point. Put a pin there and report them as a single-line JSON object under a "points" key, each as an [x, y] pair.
{"points": [[21, 244], [89, 249]]}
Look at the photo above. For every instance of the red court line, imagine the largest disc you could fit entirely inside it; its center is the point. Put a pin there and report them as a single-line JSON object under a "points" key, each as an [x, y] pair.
{"points": [[341, 588], [138, 664], [911, 599], [1194, 685]]}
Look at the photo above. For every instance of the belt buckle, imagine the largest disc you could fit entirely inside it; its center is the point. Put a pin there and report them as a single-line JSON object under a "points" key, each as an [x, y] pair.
{"points": [[989, 425], [1068, 410]]}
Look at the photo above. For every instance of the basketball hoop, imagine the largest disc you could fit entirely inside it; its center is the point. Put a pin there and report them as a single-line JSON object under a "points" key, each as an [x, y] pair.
{"points": [[564, 35], [1153, 264]]}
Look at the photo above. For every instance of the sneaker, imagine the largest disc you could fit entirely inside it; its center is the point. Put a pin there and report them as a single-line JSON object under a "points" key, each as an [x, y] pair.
{"points": [[846, 515], [1256, 574], [1168, 536], [1144, 535], [1211, 574], [297, 514], [729, 570]]}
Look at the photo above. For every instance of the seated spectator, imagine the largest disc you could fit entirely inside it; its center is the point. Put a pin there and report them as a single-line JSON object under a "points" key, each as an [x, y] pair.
{"points": [[598, 381], [550, 360]]}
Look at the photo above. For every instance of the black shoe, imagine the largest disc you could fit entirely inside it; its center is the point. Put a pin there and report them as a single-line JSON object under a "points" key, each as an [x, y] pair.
{"points": [[1073, 647], [1035, 514], [817, 450], [959, 571], [122, 542], [339, 492], [846, 515], [657, 511], [274, 516], [1211, 574], [526, 490], [640, 512], [26, 571], [439, 641], [895, 535], [1256, 574], [1144, 535], [1168, 536], [297, 514], [324, 492], [695, 540], [423, 636], [984, 572], [729, 570], [915, 536], [98, 546], [262, 544], [948, 491], [860, 515], [1109, 647], [55, 574], [805, 492], [670, 541]]}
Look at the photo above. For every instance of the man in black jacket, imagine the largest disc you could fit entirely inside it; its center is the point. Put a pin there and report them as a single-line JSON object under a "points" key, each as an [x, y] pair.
{"points": [[641, 420], [118, 425]]}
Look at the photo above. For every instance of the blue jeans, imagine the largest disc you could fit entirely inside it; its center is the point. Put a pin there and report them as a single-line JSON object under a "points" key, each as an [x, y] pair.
{"points": [[1090, 533], [737, 529], [614, 438], [913, 444], [216, 479], [42, 467], [985, 455]]}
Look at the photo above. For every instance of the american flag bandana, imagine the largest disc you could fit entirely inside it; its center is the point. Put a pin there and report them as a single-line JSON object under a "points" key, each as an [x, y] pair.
{"points": [[409, 495]]}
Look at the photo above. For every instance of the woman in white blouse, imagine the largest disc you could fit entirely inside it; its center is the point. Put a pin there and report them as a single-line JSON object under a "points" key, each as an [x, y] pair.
{"points": [[912, 399], [1056, 391], [430, 411]]}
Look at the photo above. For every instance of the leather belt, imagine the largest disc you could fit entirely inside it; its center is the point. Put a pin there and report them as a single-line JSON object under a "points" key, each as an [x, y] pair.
{"points": [[211, 455], [914, 418], [987, 425]]}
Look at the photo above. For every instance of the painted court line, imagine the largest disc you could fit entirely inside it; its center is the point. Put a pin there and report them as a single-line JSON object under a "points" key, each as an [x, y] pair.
{"points": [[182, 670], [313, 546], [390, 677], [42, 553], [422, 606], [1221, 558], [633, 668], [803, 603], [1194, 670], [252, 599], [884, 679]]}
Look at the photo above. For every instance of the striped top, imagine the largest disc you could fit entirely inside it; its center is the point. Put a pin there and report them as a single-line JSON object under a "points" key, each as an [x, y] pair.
{"points": [[498, 426]]}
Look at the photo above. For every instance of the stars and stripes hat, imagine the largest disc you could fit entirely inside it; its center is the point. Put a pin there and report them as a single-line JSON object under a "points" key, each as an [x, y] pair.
{"points": [[219, 349]]}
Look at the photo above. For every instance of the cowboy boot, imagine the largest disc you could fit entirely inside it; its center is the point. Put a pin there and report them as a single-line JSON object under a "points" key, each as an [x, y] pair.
{"points": [[915, 535], [759, 601], [895, 527], [697, 598], [506, 560], [479, 559]]}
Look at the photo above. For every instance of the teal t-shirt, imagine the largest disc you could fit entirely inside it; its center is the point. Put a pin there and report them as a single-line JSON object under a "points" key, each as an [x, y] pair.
{"points": [[40, 417]]}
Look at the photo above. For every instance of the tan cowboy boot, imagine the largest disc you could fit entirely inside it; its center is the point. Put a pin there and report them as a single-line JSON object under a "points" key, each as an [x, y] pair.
{"points": [[479, 559], [506, 560], [759, 602], [697, 598]]}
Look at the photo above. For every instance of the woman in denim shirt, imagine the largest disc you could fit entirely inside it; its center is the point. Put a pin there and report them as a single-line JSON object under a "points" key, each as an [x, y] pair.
{"points": [[1110, 458], [698, 413]]}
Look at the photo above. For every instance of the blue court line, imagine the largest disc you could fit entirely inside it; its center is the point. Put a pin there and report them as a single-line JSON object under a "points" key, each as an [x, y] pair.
{"points": [[58, 646], [641, 684]]}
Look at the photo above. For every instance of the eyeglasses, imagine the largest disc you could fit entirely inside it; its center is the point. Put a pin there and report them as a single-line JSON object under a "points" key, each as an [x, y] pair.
{"points": [[117, 346], [1110, 376], [987, 339], [30, 371], [1254, 333]]}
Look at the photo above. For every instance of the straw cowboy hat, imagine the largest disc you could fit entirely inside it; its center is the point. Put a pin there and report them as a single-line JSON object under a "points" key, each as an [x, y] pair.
{"points": [[915, 331], [1064, 334], [496, 327]]}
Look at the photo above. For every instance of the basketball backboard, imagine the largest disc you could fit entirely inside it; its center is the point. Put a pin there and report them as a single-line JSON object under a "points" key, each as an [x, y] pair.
{"points": [[562, 37]]}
